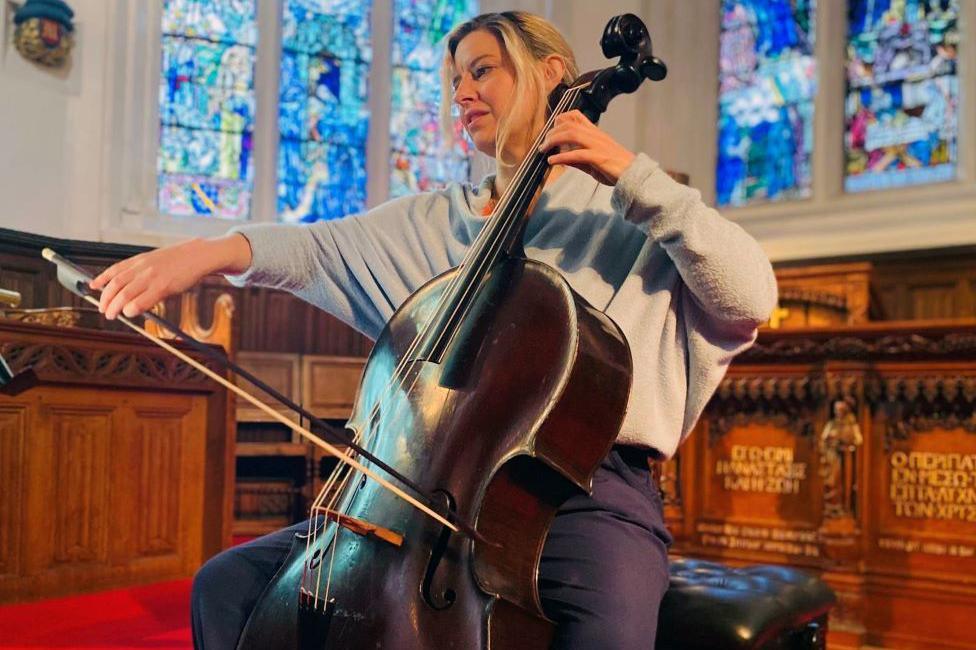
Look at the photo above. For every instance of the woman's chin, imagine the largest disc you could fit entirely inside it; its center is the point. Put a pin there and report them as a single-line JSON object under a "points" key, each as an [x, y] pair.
{"points": [[487, 148]]}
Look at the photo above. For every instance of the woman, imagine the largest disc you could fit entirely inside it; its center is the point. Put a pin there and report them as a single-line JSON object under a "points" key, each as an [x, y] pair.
{"points": [[687, 287]]}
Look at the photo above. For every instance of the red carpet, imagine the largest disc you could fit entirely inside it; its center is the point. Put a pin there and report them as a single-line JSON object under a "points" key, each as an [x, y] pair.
{"points": [[154, 616]]}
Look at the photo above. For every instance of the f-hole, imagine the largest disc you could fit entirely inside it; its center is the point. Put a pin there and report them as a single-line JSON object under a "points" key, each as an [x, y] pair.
{"points": [[438, 596]]}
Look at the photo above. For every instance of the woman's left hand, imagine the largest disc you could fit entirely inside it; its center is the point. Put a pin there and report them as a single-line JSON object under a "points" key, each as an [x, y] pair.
{"points": [[585, 146]]}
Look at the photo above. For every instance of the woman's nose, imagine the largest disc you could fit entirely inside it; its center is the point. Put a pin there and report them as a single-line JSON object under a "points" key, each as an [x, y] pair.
{"points": [[464, 91]]}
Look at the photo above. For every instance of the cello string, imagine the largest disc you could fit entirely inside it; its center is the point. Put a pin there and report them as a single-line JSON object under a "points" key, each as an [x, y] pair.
{"points": [[328, 582], [316, 509], [311, 538]]}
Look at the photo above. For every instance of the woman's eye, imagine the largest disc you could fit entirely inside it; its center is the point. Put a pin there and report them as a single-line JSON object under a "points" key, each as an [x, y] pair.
{"points": [[480, 72]]}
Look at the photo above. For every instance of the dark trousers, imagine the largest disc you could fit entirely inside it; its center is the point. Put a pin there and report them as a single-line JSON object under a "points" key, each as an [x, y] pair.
{"points": [[603, 573]]}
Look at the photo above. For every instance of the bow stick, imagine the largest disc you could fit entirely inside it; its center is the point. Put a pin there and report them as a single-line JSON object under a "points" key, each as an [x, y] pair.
{"points": [[75, 279]]}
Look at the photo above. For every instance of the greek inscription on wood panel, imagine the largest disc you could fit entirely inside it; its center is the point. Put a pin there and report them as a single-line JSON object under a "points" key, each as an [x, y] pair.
{"points": [[761, 484], [761, 469], [930, 485], [929, 492]]}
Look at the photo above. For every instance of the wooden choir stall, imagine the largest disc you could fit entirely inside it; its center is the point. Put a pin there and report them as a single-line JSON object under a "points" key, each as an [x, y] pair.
{"points": [[848, 448], [113, 468]]}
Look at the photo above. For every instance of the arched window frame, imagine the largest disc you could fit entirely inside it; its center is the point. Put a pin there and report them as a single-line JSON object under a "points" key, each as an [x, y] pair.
{"points": [[132, 123]]}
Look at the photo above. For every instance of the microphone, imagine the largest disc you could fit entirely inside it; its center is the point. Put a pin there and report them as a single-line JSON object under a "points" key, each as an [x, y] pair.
{"points": [[14, 384]]}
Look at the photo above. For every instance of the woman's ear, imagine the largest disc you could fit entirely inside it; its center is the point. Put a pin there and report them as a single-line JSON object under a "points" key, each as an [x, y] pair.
{"points": [[553, 68]]}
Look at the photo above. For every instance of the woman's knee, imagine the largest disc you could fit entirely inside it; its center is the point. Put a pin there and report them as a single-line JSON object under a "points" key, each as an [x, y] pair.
{"points": [[238, 575], [221, 575], [207, 579]]}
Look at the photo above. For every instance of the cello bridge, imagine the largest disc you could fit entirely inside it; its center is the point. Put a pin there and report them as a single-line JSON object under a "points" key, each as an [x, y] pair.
{"points": [[365, 528]]}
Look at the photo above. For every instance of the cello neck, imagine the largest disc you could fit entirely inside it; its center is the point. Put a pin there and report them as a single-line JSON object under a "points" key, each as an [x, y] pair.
{"points": [[500, 238]]}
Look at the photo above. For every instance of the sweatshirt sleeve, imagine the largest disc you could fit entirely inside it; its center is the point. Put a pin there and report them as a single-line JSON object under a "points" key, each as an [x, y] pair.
{"points": [[723, 267], [359, 268]]}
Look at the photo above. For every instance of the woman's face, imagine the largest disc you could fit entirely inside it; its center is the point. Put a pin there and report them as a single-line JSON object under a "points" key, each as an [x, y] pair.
{"points": [[484, 83]]}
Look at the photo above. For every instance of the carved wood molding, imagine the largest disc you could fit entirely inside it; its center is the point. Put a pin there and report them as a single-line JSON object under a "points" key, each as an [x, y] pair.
{"points": [[931, 388], [785, 401], [56, 362], [814, 297], [858, 348], [719, 425], [788, 402], [769, 391], [848, 386], [917, 404], [911, 404]]}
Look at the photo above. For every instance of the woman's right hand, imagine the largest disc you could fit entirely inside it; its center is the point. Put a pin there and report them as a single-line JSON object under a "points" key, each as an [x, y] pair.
{"points": [[134, 285]]}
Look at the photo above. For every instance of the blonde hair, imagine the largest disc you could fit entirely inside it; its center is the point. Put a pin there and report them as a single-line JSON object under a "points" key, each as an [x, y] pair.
{"points": [[526, 39]]}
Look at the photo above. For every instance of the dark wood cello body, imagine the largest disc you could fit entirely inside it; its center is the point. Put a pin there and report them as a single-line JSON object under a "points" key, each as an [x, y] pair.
{"points": [[504, 447], [497, 390]]}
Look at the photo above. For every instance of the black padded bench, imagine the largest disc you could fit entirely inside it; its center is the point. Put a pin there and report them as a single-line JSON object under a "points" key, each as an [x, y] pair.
{"points": [[711, 606]]}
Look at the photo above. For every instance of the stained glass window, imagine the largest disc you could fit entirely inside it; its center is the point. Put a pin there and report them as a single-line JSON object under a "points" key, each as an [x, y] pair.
{"points": [[767, 83], [323, 117], [902, 93], [206, 108], [418, 159]]}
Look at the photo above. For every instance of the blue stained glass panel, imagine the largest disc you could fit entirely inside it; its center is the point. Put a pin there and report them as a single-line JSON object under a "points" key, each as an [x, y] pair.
{"points": [[206, 108], [206, 85], [902, 93], [223, 21], [767, 84], [419, 159], [323, 119]]}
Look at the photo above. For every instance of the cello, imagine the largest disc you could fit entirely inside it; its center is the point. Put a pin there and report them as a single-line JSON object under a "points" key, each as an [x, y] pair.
{"points": [[497, 390]]}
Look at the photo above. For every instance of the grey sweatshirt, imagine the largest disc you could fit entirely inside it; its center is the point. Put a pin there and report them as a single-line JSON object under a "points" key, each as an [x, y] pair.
{"points": [[687, 287]]}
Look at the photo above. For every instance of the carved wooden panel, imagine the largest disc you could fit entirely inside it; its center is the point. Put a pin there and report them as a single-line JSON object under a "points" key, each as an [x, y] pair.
{"points": [[760, 476], [935, 286], [13, 428], [160, 451], [926, 483], [80, 442], [281, 371], [329, 384], [755, 464], [112, 488], [934, 300]]}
